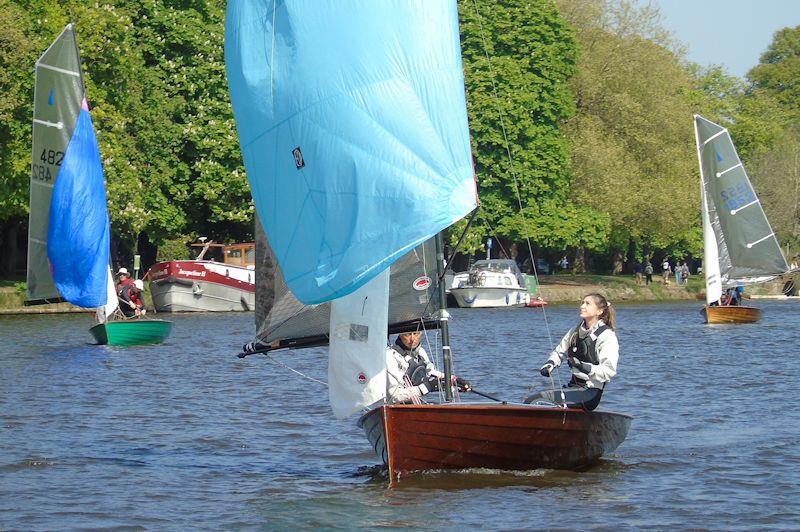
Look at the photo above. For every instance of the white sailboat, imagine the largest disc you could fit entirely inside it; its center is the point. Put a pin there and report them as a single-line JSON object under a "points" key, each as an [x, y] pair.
{"points": [[740, 247]]}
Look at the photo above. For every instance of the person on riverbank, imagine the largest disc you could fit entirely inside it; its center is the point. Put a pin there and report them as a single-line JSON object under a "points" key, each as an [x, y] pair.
{"points": [[666, 270], [648, 273], [411, 374], [129, 294], [591, 349], [637, 272]]}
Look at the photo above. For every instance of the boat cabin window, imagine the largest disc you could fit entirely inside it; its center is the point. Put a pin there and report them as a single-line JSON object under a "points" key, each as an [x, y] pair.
{"points": [[240, 254]]}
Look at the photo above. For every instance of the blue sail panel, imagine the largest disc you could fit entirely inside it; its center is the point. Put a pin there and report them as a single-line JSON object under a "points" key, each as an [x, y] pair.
{"points": [[353, 127], [78, 236]]}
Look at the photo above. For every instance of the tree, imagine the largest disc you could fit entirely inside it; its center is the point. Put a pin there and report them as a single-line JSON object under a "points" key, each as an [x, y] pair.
{"points": [[776, 179], [779, 69], [631, 137], [518, 57], [18, 51]]}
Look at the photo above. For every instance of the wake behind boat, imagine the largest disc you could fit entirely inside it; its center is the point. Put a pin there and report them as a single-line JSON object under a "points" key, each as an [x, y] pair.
{"points": [[69, 227], [740, 247]]}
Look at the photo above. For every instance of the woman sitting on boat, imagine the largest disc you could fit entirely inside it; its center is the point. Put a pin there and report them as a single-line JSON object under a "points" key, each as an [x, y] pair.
{"points": [[410, 371], [591, 349]]}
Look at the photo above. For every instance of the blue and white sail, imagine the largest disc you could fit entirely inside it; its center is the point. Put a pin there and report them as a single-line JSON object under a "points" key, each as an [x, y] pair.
{"points": [[58, 94], [78, 239], [740, 246], [353, 127]]}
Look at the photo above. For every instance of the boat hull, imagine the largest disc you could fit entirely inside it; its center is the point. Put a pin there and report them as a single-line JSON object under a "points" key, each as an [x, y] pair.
{"points": [[413, 438], [536, 303], [731, 314], [490, 297], [201, 286], [131, 332]]}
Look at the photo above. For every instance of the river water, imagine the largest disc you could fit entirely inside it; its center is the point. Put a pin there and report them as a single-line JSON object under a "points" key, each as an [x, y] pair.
{"points": [[186, 435]]}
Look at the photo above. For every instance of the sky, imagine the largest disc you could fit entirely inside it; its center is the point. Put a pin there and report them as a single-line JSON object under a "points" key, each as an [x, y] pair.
{"points": [[731, 33]]}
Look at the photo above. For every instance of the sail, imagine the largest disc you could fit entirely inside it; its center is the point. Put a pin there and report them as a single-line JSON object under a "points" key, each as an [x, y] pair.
{"points": [[283, 321], [57, 101], [357, 354], [746, 247], [112, 303], [354, 157], [78, 239]]}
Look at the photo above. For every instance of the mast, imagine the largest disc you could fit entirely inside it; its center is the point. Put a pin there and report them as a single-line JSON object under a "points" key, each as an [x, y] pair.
{"points": [[444, 318]]}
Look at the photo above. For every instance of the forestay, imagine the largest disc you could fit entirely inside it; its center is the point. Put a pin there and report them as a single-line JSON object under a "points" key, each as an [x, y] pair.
{"points": [[356, 156], [737, 235], [57, 102]]}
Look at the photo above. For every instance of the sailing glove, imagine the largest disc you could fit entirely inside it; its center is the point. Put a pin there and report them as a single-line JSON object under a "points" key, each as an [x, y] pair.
{"points": [[463, 384], [431, 384], [546, 369], [583, 367]]}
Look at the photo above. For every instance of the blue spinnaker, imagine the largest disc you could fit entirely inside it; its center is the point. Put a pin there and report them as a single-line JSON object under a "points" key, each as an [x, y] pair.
{"points": [[353, 127], [78, 236]]}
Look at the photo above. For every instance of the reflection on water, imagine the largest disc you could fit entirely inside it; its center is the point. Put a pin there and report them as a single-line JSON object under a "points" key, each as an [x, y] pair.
{"points": [[187, 435]]}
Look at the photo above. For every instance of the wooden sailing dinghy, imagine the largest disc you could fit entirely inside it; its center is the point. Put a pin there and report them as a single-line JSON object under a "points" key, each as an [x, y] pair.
{"points": [[356, 162], [739, 246], [412, 438]]}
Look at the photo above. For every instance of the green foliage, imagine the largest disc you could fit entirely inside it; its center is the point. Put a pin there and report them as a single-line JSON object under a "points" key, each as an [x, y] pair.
{"points": [[21, 288], [631, 138], [173, 249], [18, 52], [518, 57], [580, 119], [779, 69], [776, 178]]}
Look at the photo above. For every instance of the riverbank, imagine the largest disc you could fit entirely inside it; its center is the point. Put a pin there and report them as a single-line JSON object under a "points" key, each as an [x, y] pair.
{"points": [[12, 301], [555, 289], [569, 288]]}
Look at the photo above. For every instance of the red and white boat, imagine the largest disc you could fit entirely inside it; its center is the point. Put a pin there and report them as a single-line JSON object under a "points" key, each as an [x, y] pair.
{"points": [[206, 285]]}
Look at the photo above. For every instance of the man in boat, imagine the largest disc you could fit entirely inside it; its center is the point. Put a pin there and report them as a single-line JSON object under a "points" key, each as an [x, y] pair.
{"points": [[591, 349], [129, 294], [410, 372]]}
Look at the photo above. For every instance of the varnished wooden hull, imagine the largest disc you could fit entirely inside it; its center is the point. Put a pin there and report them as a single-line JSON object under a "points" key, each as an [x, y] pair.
{"points": [[731, 314], [506, 437]]}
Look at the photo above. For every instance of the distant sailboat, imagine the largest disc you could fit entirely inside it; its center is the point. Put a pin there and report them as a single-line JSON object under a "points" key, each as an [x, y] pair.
{"points": [[740, 247], [69, 235], [357, 158]]}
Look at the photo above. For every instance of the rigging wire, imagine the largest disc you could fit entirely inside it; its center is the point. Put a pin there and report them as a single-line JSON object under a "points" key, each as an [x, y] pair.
{"points": [[278, 362], [511, 167]]}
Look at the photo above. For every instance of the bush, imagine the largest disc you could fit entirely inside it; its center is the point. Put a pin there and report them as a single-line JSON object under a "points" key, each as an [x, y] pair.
{"points": [[175, 249]]}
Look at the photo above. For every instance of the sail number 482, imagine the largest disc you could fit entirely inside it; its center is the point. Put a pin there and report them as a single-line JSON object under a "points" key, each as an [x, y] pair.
{"points": [[52, 157]]}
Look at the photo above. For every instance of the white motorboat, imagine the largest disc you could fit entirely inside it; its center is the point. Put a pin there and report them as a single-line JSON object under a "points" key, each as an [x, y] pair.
{"points": [[491, 283]]}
